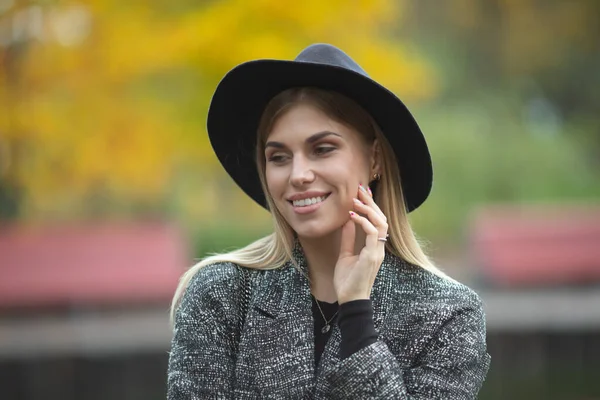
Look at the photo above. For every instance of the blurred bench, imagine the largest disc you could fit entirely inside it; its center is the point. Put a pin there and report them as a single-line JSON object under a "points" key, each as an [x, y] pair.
{"points": [[90, 265], [526, 246]]}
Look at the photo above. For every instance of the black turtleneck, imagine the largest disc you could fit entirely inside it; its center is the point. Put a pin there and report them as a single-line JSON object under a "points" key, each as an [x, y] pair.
{"points": [[355, 319]]}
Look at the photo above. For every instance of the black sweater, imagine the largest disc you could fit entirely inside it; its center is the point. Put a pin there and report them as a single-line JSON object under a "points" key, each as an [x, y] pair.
{"points": [[355, 320]]}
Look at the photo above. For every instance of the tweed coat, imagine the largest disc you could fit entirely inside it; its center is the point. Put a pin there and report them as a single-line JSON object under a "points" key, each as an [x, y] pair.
{"points": [[237, 338]]}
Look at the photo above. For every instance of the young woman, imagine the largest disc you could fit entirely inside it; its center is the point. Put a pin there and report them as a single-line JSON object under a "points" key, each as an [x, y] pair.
{"points": [[340, 301]]}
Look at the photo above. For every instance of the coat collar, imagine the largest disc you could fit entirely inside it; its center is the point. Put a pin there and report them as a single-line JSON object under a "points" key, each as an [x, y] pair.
{"points": [[287, 289]]}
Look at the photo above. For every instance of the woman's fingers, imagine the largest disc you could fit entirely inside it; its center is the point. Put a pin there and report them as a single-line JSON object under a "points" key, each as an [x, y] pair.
{"points": [[347, 240], [373, 233], [368, 227], [367, 198], [376, 218]]}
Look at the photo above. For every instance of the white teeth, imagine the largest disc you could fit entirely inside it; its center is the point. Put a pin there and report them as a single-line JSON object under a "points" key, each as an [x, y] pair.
{"points": [[308, 202]]}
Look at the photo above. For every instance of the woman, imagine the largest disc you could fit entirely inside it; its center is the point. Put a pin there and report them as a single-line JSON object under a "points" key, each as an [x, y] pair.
{"points": [[340, 302]]}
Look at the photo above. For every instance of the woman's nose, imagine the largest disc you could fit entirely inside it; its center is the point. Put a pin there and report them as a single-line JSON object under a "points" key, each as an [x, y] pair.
{"points": [[301, 172]]}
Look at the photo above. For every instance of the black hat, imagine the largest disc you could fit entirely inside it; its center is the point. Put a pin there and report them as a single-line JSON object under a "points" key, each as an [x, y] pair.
{"points": [[245, 91]]}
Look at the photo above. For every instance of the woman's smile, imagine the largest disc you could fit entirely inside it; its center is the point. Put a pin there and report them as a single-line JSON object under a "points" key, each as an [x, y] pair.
{"points": [[308, 205]]}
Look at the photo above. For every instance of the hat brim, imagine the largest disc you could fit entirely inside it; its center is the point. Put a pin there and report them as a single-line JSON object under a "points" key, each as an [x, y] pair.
{"points": [[245, 91]]}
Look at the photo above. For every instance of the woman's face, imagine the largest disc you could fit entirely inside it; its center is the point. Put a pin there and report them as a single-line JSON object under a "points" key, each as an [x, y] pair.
{"points": [[313, 168]]}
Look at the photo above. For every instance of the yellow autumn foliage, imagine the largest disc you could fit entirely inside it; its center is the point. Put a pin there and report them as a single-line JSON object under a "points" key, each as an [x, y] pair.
{"points": [[99, 120]]}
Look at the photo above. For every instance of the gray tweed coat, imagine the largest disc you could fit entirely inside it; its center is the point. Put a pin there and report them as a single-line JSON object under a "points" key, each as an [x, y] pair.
{"points": [[247, 334]]}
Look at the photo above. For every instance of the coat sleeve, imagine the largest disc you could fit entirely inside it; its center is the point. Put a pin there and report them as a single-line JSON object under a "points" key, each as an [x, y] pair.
{"points": [[453, 364], [202, 357]]}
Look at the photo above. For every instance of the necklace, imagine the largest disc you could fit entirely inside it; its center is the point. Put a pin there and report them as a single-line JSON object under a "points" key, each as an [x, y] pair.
{"points": [[327, 326]]}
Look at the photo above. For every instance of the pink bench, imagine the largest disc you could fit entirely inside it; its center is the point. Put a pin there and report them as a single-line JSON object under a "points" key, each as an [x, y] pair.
{"points": [[96, 264], [537, 245]]}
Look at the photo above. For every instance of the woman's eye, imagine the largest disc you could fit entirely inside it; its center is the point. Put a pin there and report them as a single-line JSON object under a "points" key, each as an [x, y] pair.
{"points": [[324, 150], [276, 158]]}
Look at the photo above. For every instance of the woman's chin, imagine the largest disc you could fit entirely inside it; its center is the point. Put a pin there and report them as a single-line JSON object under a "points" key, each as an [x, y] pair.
{"points": [[317, 228], [314, 233]]}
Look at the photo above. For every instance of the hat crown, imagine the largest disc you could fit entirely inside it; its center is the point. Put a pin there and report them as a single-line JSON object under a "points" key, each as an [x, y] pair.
{"points": [[322, 53]]}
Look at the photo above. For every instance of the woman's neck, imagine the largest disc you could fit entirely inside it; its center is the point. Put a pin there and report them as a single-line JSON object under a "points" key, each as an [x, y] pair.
{"points": [[321, 257]]}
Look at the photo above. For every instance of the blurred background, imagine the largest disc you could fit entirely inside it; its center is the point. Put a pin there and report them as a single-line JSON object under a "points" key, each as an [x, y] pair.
{"points": [[109, 188]]}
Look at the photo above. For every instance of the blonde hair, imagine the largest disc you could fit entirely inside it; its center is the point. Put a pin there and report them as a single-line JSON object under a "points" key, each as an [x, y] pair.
{"points": [[275, 249]]}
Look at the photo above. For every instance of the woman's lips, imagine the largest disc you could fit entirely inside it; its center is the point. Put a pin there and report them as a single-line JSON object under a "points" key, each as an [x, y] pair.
{"points": [[309, 209]]}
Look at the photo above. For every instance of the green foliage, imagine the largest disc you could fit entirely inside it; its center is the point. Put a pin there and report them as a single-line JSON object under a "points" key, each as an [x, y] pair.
{"points": [[484, 153]]}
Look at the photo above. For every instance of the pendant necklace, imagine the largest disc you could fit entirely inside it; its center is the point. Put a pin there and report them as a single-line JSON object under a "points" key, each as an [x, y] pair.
{"points": [[327, 326]]}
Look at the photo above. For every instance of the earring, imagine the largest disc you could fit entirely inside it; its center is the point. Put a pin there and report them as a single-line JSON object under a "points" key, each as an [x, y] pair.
{"points": [[376, 177]]}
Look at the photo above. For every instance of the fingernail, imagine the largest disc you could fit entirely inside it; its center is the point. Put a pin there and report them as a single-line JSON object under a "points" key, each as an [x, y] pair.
{"points": [[352, 213], [362, 188], [371, 193]]}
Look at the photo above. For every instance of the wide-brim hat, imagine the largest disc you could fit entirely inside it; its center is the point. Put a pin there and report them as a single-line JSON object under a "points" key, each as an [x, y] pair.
{"points": [[242, 95]]}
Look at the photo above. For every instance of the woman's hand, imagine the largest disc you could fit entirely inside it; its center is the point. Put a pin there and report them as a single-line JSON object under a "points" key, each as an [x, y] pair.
{"points": [[355, 274]]}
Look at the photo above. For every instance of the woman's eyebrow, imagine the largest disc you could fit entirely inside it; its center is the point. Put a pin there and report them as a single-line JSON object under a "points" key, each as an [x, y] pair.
{"points": [[321, 135], [310, 140]]}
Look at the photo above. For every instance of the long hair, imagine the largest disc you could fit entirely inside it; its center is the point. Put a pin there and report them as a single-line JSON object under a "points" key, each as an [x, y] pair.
{"points": [[275, 249]]}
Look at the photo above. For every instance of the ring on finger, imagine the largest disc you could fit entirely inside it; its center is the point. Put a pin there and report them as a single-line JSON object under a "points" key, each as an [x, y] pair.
{"points": [[384, 239]]}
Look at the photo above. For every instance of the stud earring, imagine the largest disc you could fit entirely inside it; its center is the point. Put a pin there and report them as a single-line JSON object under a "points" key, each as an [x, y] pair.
{"points": [[376, 177]]}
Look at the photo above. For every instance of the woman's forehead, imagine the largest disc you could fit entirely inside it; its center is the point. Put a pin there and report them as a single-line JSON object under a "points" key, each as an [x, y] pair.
{"points": [[304, 120]]}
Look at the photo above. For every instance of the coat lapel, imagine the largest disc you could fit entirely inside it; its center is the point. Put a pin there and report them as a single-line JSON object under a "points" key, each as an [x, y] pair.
{"points": [[385, 292], [276, 354]]}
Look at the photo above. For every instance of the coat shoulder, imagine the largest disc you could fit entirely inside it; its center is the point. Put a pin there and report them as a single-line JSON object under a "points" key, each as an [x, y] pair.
{"points": [[217, 282], [429, 306], [425, 286]]}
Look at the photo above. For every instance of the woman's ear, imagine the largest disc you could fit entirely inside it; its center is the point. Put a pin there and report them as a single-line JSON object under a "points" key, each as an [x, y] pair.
{"points": [[375, 158]]}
